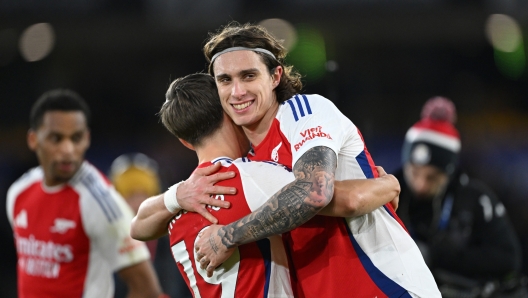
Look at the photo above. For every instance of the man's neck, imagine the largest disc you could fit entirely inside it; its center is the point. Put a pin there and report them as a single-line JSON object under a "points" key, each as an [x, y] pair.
{"points": [[217, 147]]}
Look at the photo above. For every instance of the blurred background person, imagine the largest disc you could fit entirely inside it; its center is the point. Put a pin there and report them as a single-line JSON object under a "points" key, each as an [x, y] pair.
{"points": [[461, 227], [136, 177], [71, 228]]}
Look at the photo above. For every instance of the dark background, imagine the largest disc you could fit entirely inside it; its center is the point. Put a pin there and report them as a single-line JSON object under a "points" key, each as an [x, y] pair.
{"points": [[391, 56]]}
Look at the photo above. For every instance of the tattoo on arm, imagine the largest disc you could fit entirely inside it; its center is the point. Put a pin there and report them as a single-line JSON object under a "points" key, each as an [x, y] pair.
{"points": [[293, 205]]}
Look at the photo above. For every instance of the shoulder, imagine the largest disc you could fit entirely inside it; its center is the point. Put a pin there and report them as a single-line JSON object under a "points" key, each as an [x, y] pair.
{"points": [[29, 178], [97, 193], [302, 105], [248, 167]]}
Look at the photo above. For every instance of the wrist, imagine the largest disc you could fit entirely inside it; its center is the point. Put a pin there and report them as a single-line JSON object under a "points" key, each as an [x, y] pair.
{"points": [[170, 200]]}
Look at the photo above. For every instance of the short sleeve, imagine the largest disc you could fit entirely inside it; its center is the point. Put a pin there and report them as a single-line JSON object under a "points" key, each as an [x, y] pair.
{"points": [[261, 180], [308, 121], [107, 220]]}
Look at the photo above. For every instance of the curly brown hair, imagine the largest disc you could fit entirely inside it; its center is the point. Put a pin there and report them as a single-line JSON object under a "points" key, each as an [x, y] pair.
{"points": [[255, 36]]}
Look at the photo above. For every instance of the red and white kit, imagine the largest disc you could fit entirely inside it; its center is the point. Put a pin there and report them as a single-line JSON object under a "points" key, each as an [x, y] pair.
{"points": [[367, 256], [71, 237], [258, 269]]}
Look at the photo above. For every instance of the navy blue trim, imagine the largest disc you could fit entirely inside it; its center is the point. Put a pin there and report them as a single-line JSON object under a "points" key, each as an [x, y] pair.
{"points": [[226, 159], [363, 162], [102, 197], [307, 104], [389, 212], [299, 105], [293, 110], [265, 250], [385, 284]]}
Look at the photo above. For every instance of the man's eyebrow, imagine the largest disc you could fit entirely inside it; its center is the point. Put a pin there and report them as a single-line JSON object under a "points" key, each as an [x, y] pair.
{"points": [[250, 70], [240, 73]]}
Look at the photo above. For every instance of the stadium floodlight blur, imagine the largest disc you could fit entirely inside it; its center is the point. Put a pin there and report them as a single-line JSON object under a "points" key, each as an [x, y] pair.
{"points": [[505, 36], [282, 30], [36, 42]]}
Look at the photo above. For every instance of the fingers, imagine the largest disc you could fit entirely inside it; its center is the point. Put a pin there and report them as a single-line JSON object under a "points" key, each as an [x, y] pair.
{"points": [[221, 176], [212, 201], [395, 202], [203, 212], [221, 190], [208, 170], [381, 171], [210, 269]]}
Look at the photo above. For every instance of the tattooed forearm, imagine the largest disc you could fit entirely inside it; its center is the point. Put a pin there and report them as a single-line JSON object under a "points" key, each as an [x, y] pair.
{"points": [[293, 205]]}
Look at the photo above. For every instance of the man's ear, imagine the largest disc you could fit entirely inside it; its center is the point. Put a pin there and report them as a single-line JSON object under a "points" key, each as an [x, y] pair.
{"points": [[186, 144], [32, 140], [277, 74], [88, 138]]}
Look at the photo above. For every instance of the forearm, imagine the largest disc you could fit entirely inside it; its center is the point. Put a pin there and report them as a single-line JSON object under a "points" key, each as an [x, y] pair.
{"points": [[361, 196], [293, 205], [283, 212], [141, 280], [151, 220]]}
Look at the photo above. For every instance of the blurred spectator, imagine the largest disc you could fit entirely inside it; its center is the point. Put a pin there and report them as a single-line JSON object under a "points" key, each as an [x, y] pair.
{"points": [[71, 227], [135, 176], [461, 227]]}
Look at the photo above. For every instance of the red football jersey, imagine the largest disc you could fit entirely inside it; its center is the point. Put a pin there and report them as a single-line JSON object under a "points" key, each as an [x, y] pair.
{"points": [[71, 237], [366, 256], [258, 269]]}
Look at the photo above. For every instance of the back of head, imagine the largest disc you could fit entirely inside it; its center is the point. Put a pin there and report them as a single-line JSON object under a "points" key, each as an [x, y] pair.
{"points": [[434, 140], [255, 36], [135, 173], [57, 100], [192, 110]]}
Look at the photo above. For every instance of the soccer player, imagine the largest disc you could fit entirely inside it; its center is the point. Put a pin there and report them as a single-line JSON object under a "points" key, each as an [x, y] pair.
{"points": [[365, 256], [71, 227], [194, 114]]}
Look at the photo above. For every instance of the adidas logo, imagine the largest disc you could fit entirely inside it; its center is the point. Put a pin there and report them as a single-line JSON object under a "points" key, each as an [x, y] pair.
{"points": [[21, 219]]}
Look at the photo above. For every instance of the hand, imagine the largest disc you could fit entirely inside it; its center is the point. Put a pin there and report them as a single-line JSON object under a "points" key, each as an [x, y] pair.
{"points": [[395, 202], [210, 251], [381, 171], [198, 191]]}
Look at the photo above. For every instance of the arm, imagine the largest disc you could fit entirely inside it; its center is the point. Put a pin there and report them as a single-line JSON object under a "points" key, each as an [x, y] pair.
{"points": [[193, 195], [151, 220], [361, 196], [141, 280], [292, 206]]}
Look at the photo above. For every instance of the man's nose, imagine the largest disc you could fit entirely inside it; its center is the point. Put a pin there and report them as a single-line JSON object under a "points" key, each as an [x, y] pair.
{"points": [[238, 89], [67, 146]]}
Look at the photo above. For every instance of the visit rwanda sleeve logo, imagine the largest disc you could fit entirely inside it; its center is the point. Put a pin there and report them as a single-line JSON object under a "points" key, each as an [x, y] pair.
{"points": [[311, 133], [275, 153]]}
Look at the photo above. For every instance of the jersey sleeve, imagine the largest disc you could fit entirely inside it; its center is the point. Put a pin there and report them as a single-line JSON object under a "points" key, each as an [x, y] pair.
{"points": [[17, 187], [107, 218], [308, 121], [261, 180]]}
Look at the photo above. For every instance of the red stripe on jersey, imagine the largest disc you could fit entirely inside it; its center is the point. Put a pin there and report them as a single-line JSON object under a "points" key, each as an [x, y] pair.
{"points": [[369, 158]]}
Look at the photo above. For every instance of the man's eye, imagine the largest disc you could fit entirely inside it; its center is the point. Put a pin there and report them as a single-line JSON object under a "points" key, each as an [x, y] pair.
{"points": [[76, 138], [54, 138]]}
